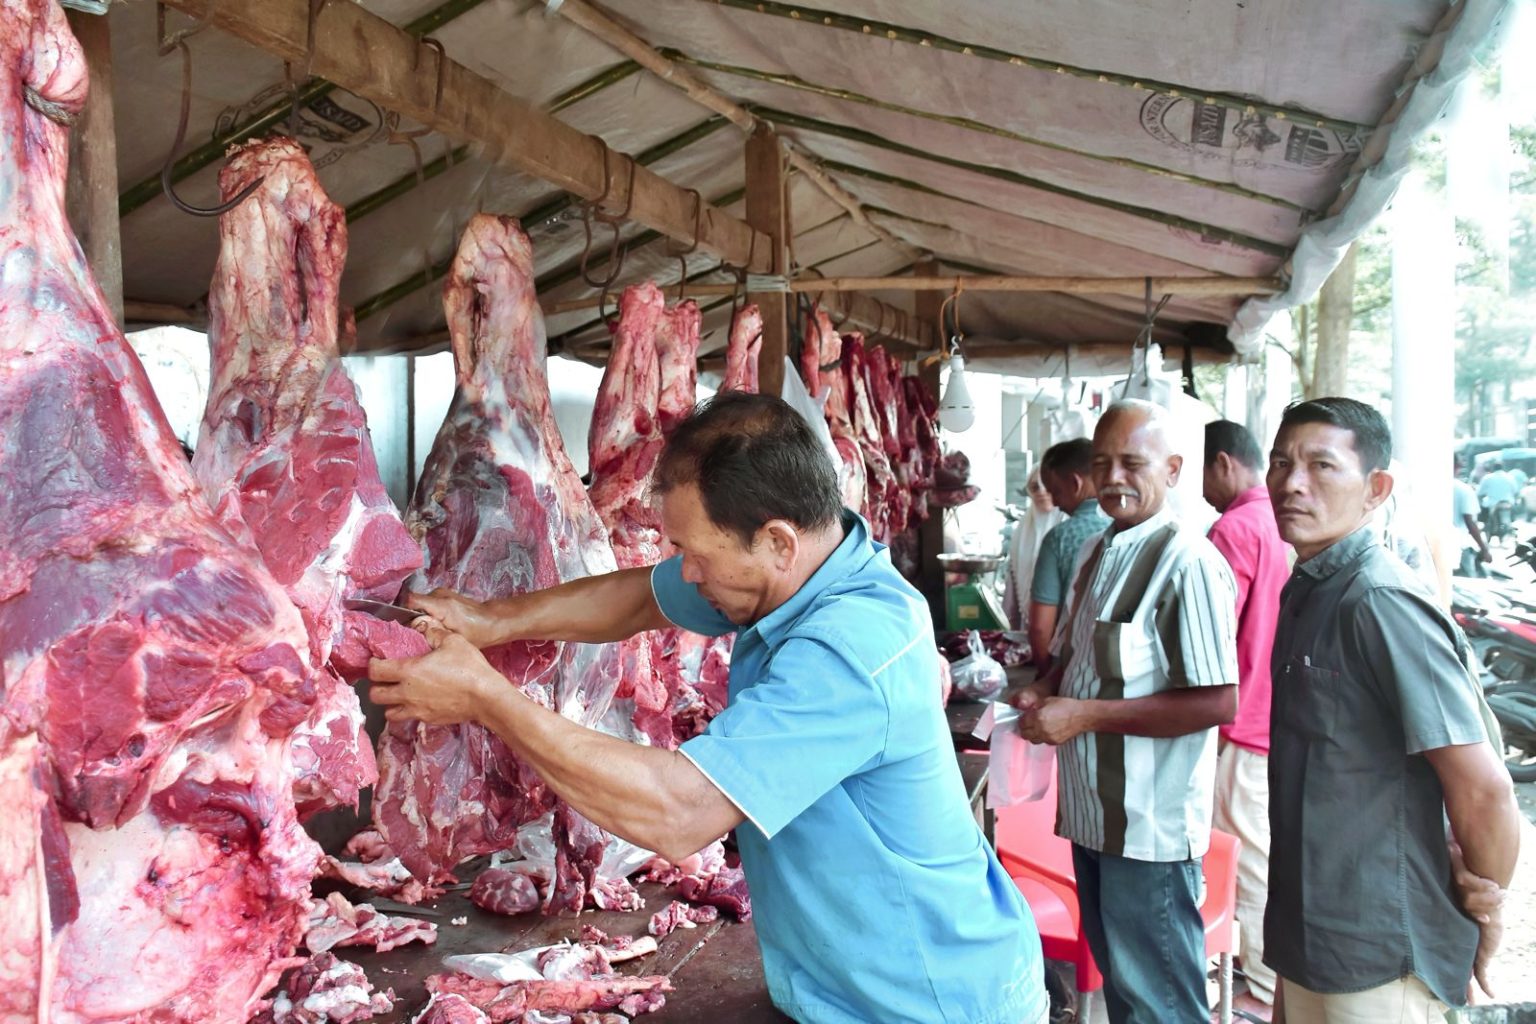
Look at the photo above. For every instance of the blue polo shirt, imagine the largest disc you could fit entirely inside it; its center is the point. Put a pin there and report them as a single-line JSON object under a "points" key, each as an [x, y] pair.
{"points": [[876, 897]]}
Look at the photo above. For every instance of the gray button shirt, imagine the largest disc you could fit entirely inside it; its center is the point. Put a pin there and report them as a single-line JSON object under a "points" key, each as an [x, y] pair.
{"points": [[1366, 678]]}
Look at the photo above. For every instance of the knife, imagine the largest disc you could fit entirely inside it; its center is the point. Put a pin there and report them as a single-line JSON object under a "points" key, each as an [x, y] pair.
{"points": [[383, 610]]}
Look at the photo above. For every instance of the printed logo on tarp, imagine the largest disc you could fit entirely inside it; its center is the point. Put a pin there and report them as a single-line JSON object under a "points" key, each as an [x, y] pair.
{"points": [[1212, 132], [330, 126]]}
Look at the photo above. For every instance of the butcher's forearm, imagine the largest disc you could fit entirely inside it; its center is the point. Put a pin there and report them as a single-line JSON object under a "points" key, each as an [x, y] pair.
{"points": [[592, 610], [651, 797], [1485, 821], [1042, 624], [1172, 713]]}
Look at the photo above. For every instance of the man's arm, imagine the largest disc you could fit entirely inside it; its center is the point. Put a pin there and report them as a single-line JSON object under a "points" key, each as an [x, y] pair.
{"points": [[654, 798], [1485, 825], [1484, 554], [591, 610], [1042, 626], [1170, 713]]}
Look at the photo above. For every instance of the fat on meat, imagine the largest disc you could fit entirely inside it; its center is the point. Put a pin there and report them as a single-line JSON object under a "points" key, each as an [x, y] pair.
{"points": [[881, 489], [336, 921], [509, 1003], [499, 510], [678, 914], [742, 349], [152, 672], [325, 990], [284, 455]]}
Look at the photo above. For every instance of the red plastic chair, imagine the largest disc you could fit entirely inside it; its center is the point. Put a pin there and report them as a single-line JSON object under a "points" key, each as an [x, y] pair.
{"points": [[1040, 864]]}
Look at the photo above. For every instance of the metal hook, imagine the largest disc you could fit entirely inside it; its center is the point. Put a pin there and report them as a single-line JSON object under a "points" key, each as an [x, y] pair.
{"points": [[296, 82], [166, 184], [166, 45]]}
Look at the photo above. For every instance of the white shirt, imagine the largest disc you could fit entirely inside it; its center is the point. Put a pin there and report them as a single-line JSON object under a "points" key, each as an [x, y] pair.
{"points": [[1158, 611]]}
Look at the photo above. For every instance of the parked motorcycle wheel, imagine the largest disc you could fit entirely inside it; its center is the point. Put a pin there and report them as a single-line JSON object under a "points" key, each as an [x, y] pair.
{"points": [[1514, 705]]}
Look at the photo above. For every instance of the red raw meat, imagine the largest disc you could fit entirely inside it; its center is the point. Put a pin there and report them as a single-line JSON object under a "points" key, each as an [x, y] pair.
{"points": [[821, 362], [678, 914], [742, 350], [677, 346], [630, 995], [726, 889], [284, 455], [501, 511], [880, 483], [152, 671], [325, 990], [504, 892]]}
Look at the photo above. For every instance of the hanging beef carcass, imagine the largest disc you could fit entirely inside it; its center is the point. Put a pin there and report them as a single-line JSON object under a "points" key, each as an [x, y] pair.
{"points": [[880, 481], [821, 367], [924, 410], [623, 446], [882, 373], [151, 669], [500, 510], [741, 351], [284, 456]]}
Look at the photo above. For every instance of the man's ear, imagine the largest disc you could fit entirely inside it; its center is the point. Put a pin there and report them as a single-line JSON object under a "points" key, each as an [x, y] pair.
{"points": [[1378, 488], [1175, 464], [783, 541]]}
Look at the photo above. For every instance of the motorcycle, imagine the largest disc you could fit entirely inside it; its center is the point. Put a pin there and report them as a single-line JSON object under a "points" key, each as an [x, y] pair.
{"points": [[1503, 641]]}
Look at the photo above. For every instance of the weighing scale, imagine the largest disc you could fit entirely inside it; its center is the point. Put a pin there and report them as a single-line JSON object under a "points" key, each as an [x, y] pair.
{"points": [[972, 604]]}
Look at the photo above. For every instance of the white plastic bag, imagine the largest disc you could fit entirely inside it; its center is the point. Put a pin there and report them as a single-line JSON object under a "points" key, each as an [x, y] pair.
{"points": [[978, 676], [1018, 771]]}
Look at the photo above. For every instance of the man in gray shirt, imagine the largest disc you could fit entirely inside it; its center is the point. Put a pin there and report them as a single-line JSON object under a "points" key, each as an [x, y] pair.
{"points": [[1376, 738]]}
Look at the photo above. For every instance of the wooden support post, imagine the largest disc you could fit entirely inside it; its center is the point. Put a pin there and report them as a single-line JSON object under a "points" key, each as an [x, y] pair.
{"points": [[768, 212], [90, 191], [930, 573]]}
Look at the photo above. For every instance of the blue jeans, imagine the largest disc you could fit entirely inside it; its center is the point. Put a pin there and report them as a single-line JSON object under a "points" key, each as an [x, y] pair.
{"points": [[1143, 923]]}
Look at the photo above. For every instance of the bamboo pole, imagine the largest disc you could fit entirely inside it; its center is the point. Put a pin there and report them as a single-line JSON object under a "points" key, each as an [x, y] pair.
{"points": [[1185, 286]]}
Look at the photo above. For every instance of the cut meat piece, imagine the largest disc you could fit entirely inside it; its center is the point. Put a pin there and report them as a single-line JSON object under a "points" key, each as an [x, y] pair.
{"points": [[504, 892], [617, 949], [677, 345], [726, 889], [616, 894], [335, 921], [284, 455], [449, 1008], [500, 510], [741, 351], [152, 671], [325, 990], [678, 914], [880, 483], [630, 995], [624, 444], [708, 861], [822, 364]]}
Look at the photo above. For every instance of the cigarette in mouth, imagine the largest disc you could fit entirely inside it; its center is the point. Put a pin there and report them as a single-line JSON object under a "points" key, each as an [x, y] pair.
{"points": [[1122, 501]]}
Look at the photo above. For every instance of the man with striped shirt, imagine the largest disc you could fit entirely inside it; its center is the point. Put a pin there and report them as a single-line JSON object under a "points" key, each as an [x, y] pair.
{"points": [[1146, 670]]}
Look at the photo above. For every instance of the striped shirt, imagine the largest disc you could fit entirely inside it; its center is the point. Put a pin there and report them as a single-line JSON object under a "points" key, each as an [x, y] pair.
{"points": [[1151, 608]]}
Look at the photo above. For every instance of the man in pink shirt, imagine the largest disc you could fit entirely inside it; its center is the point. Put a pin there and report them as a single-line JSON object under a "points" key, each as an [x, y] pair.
{"points": [[1247, 537]]}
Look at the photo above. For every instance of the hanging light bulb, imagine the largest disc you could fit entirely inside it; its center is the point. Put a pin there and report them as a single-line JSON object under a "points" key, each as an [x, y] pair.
{"points": [[956, 410]]}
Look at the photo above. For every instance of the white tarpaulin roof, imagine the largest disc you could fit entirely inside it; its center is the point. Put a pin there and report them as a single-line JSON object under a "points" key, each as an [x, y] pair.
{"points": [[1057, 137]]}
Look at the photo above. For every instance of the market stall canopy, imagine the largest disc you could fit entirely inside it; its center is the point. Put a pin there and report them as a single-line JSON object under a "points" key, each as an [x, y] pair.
{"points": [[1082, 138]]}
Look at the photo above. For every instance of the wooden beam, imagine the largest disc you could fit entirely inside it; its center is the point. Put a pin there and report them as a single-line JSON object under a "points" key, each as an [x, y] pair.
{"points": [[930, 535], [90, 191], [1184, 286], [373, 58], [602, 25], [1095, 350], [768, 213]]}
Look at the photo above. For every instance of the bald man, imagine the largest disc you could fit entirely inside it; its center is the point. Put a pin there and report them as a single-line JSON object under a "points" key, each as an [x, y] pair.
{"points": [[1145, 670]]}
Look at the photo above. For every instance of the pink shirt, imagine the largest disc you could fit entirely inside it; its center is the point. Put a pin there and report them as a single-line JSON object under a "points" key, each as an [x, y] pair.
{"points": [[1247, 537]]}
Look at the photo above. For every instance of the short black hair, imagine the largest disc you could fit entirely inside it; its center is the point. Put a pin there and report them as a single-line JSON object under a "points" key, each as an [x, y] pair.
{"points": [[1074, 456], [1236, 440], [1372, 436], [753, 459]]}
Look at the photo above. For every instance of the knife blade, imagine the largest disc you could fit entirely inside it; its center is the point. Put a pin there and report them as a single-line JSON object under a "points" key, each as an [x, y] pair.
{"points": [[383, 610]]}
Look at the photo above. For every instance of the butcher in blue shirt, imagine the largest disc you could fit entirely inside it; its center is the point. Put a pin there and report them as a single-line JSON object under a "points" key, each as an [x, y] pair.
{"points": [[876, 897]]}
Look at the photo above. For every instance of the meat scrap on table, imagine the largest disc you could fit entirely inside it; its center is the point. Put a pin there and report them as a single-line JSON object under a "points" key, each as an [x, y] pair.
{"points": [[335, 921], [325, 990]]}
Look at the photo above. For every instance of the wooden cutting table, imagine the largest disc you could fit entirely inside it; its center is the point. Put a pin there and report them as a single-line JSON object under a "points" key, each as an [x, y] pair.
{"points": [[716, 969]]}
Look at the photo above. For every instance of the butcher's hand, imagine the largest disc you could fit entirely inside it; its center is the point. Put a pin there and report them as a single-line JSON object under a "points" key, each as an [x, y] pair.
{"points": [[475, 621], [1482, 899], [452, 683], [1054, 720]]}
